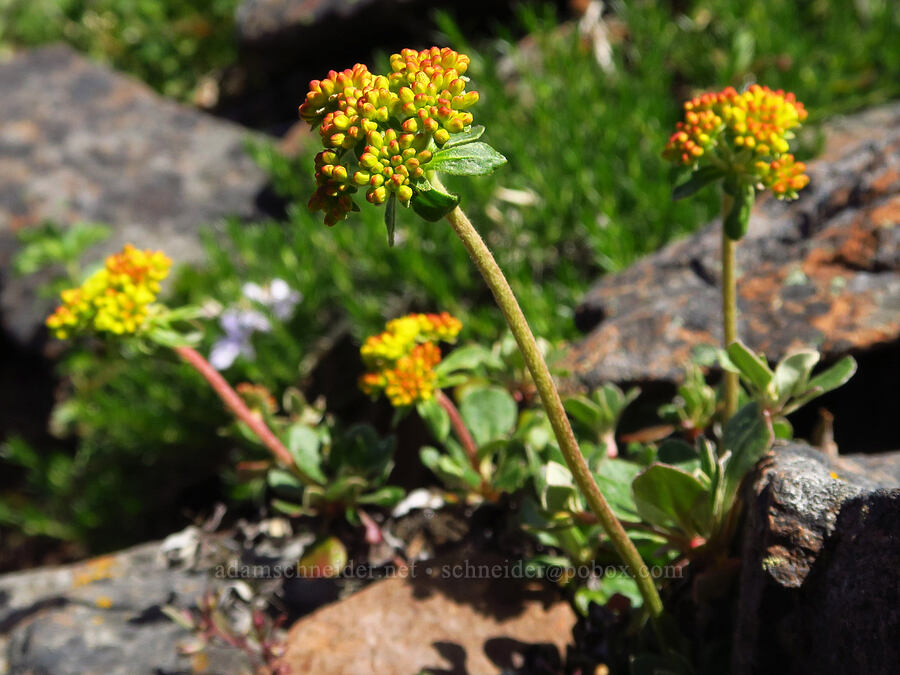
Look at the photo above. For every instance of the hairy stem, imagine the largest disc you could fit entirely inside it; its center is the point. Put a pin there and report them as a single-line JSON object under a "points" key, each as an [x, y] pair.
{"points": [[235, 404], [543, 381], [729, 308]]}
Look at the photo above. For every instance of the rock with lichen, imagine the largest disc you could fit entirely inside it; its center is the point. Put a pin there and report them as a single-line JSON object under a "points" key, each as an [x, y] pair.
{"points": [[822, 271], [819, 585]]}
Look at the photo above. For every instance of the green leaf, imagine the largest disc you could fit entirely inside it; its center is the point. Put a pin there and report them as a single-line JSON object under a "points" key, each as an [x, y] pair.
{"points": [[834, 377], [617, 584], [291, 509], [792, 374], [583, 410], [666, 496], [167, 337], [782, 429], [473, 134], [436, 419], [455, 450], [285, 483], [345, 489], [470, 159], [698, 180], [469, 476], [492, 450], [557, 488], [467, 357], [361, 451], [753, 368], [304, 444], [679, 453], [709, 463], [489, 413], [390, 217], [511, 471], [748, 438], [614, 478], [738, 218], [453, 474], [432, 204], [386, 496]]}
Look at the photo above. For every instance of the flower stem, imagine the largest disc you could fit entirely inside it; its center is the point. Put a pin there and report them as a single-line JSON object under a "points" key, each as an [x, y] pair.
{"points": [[459, 428], [235, 404], [466, 440], [543, 381], [729, 308]]}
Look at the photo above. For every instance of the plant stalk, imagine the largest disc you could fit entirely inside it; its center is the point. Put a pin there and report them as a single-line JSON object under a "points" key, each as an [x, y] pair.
{"points": [[459, 428], [235, 404], [729, 308], [509, 306]]}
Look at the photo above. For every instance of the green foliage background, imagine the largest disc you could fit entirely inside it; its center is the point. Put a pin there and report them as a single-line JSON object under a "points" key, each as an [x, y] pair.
{"points": [[584, 193], [170, 44]]}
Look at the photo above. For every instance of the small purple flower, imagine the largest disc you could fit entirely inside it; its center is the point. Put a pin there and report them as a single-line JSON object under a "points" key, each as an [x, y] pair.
{"points": [[277, 296], [239, 326]]}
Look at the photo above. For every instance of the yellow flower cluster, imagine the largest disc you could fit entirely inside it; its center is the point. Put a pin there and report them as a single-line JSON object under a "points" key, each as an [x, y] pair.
{"points": [[379, 130], [401, 360], [116, 298], [411, 378], [742, 132]]}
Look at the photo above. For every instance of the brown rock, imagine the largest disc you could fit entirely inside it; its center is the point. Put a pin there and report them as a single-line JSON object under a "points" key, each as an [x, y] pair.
{"points": [[406, 625], [823, 271]]}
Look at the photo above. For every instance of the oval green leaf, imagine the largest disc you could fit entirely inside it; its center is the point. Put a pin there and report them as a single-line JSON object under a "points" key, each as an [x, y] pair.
{"points": [[470, 159]]}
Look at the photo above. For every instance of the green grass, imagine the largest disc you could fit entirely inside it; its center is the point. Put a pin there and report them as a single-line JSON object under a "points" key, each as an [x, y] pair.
{"points": [[170, 44]]}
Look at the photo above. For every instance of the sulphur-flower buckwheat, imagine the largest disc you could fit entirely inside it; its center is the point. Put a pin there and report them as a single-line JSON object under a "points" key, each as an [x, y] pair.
{"points": [[116, 299]]}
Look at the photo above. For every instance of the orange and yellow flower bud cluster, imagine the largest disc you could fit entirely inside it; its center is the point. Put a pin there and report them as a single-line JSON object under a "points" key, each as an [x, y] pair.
{"points": [[379, 130], [401, 360], [116, 298], [743, 132]]}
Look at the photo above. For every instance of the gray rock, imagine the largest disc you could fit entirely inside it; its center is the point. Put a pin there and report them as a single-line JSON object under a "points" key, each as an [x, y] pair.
{"points": [[296, 26], [260, 20], [823, 271], [820, 575], [104, 615], [79, 142]]}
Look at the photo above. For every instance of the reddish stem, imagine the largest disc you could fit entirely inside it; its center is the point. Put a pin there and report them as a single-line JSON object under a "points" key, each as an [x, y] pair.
{"points": [[459, 427], [235, 404]]}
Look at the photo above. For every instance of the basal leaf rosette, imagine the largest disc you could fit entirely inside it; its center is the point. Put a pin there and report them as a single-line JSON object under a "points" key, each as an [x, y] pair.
{"points": [[382, 134], [119, 298], [743, 138], [401, 361]]}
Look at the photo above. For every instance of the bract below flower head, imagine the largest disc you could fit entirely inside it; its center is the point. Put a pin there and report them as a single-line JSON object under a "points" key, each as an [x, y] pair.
{"points": [[379, 131], [117, 298], [745, 134], [401, 360]]}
